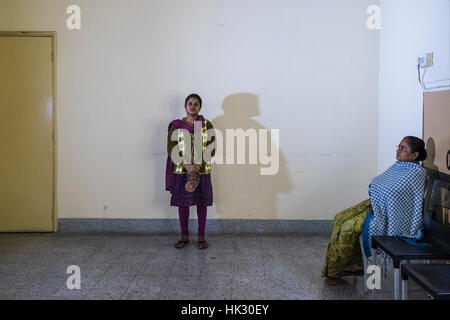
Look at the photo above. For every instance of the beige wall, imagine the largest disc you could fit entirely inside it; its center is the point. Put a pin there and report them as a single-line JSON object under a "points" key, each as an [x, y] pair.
{"points": [[308, 68]]}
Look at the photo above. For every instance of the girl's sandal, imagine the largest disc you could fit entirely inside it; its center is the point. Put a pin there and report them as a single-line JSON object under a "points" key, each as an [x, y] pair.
{"points": [[202, 244], [181, 244]]}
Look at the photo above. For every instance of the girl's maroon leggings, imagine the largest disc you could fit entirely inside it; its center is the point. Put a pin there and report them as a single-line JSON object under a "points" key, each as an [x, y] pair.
{"points": [[183, 213]]}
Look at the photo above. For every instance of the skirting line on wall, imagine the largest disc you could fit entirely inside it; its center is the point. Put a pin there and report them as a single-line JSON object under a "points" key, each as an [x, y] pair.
{"points": [[212, 226]]}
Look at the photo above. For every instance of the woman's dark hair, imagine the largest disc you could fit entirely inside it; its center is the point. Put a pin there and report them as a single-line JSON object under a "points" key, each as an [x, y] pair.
{"points": [[193, 95], [417, 145]]}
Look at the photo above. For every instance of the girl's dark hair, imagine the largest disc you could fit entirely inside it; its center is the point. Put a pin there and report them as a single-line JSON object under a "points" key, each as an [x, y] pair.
{"points": [[193, 95], [417, 145]]}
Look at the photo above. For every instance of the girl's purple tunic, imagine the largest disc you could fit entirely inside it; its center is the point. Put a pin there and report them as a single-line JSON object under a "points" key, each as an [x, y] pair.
{"points": [[203, 194]]}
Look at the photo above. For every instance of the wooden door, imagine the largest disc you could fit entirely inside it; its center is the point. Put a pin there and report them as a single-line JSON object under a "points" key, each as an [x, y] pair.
{"points": [[27, 158]]}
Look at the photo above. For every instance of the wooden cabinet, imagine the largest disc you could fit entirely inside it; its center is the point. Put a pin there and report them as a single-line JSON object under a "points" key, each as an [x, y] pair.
{"points": [[436, 130]]}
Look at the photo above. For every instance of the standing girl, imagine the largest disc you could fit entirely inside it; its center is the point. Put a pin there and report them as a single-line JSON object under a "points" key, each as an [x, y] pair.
{"points": [[190, 184]]}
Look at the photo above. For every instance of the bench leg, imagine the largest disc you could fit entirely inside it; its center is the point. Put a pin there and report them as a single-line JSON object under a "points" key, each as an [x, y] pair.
{"points": [[396, 283], [404, 289], [365, 261], [374, 262], [365, 274]]}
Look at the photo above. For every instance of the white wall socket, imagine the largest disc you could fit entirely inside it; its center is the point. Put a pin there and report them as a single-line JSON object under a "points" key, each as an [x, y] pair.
{"points": [[425, 61], [429, 59]]}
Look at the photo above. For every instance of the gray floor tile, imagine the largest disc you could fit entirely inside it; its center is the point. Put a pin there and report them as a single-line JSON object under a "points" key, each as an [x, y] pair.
{"points": [[15, 281], [145, 287], [147, 266], [213, 293], [245, 287], [114, 282], [71, 294], [217, 268], [37, 292], [7, 294], [179, 288], [214, 286], [105, 294]]}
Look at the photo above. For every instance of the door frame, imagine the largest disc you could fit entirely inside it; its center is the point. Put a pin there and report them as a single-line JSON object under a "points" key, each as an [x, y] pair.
{"points": [[52, 35]]}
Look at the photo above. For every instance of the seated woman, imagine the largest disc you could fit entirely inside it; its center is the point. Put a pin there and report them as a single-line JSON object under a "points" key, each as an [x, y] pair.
{"points": [[394, 209]]}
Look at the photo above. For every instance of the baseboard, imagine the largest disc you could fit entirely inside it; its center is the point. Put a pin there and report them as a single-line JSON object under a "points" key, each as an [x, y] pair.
{"points": [[212, 226]]}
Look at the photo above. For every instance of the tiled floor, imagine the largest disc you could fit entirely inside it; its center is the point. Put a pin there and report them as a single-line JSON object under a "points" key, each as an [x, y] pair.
{"points": [[147, 266]]}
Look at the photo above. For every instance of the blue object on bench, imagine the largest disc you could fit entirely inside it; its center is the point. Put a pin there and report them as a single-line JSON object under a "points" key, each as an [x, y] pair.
{"points": [[414, 242], [366, 233]]}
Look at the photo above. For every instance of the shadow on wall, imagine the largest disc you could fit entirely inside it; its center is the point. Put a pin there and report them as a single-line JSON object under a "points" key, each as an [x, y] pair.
{"points": [[240, 191], [431, 154]]}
